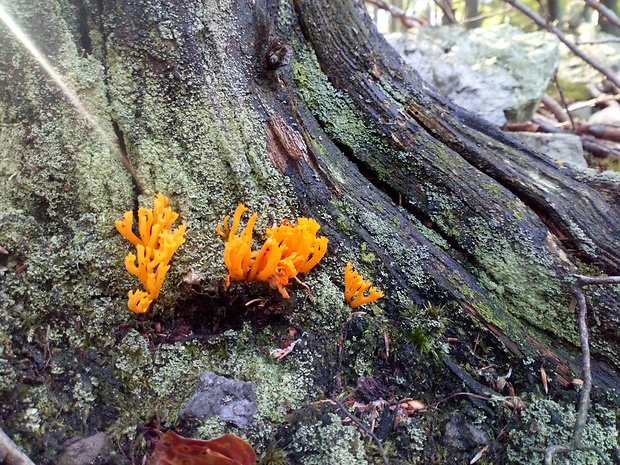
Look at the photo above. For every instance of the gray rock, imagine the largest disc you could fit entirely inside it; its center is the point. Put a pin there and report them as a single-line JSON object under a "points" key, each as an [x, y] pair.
{"points": [[609, 115], [82, 451], [230, 399], [498, 73], [564, 147]]}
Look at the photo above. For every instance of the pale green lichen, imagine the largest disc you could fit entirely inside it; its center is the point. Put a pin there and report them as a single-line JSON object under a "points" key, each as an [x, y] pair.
{"points": [[328, 442], [281, 386], [63, 191], [547, 423], [417, 439], [337, 112], [205, 149]]}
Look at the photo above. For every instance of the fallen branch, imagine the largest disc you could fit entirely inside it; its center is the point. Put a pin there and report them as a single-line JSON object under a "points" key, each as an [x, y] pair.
{"points": [[10, 453], [576, 442], [597, 146], [554, 107]]}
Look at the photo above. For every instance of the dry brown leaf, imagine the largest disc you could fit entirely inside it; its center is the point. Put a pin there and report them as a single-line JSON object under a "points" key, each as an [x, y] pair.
{"points": [[228, 449]]}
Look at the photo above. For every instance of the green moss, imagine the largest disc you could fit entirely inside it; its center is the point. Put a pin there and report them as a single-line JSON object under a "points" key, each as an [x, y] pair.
{"points": [[422, 328], [365, 255], [273, 455]]}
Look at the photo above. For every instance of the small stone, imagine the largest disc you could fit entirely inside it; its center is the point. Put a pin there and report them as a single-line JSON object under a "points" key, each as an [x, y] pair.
{"points": [[499, 73], [83, 450], [462, 435], [564, 147], [230, 399]]}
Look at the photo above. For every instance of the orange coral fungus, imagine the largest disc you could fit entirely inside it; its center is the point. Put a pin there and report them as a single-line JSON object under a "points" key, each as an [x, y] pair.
{"points": [[155, 247], [228, 449], [355, 286], [288, 250]]}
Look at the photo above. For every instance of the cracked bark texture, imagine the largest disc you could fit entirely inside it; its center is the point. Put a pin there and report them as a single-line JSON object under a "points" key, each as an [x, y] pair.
{"points": [[431, 202]]}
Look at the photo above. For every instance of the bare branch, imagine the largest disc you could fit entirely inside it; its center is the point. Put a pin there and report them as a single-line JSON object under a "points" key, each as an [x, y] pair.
{"points": [[540, 21], [604, 11], [503, 12], [554, 107], [447, 9], [406, 20]]}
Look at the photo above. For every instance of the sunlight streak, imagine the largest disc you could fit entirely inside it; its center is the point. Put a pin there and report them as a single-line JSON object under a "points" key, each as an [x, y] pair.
{"points": [[69, 93]]}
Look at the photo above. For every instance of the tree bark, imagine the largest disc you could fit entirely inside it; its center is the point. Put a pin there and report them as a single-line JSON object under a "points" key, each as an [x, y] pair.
{"points": [[434, 204]]}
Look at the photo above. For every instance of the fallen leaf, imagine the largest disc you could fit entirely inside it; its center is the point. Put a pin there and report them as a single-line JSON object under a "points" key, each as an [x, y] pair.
{"points": [[479, 455], [543, 377], [228, 449], [281, 353]]}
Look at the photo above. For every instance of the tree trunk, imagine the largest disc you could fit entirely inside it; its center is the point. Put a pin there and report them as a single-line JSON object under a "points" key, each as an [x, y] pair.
{"points": [[552, 10], [471, 14], [472, 237]]}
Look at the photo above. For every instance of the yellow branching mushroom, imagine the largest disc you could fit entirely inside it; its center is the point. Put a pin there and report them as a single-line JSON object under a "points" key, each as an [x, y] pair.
{"points": [[288, 250], [355, 286], [155, 247]]}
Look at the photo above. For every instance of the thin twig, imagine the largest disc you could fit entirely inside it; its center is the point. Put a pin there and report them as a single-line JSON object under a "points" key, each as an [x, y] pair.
{"points": [[405, 19], [361, 426], [576, 442], [504, 12], [597, 42], [564, 102], [539, 20]]}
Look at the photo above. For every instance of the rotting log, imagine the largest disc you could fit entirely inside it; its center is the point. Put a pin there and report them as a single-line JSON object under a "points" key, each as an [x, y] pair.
{"points": [[515, 222]]}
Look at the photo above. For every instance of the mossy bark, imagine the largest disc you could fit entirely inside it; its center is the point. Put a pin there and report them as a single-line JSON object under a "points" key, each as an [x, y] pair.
{"points": [[431, 203]]}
